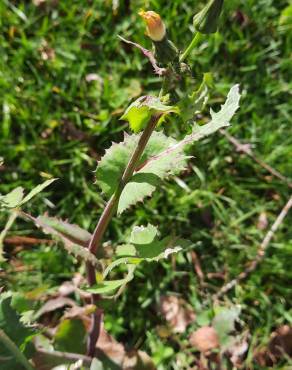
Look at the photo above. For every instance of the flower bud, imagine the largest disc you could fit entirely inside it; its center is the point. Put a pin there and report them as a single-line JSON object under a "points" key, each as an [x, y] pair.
{"points": [[155, 26], [206, 21], [165, 51]]}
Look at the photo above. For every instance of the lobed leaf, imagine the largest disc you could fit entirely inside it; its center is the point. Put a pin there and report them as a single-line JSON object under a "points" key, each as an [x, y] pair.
{"points": [[74, 238], [163, 157], [144, 246], [148, 246], [143, 235], [148, 175], [145, 180], [135, 191], [219, 120], [72, 232]]}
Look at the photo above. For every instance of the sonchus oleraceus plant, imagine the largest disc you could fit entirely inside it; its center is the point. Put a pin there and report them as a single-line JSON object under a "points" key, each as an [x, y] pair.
{"points": [[131, 170]]}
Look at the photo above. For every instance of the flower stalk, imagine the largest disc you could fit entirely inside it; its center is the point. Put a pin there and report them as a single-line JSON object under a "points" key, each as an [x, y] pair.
{"points": [[196, 39], [205, 22]]}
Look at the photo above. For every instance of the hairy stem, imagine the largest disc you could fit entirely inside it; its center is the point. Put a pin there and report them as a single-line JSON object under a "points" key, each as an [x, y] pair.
{"points": [[103, 223], [18, 355], [192, 45]]}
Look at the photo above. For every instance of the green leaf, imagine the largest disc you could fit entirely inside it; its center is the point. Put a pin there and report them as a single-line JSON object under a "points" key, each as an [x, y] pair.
{"points": [[106, 286], [143, 235], [12, 199], [227, 111], [116, 158], [150, 248], [72, 232], [15, 197], [96, 365], [141, 110], [163, 157], [124, 260], [36, 190], [125, 250], [15, 330], [224, 322], [144, 246], [74, 238], [218, 120], [113, 163], [137, 117], [286, 16], [70, 336], [109, 286], [172, 159], [193, 104], [158, 250], [20, 303]]}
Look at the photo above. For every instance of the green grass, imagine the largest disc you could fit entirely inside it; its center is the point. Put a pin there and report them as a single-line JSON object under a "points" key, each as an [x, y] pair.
{"points": [[57, 124]]}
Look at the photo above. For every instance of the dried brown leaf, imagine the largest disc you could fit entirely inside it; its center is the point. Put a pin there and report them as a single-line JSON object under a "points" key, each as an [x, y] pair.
{"points": [[138, 360], [66, 288], [54, 304], [205, 339], [108, 347], [237, 350], [80, 312], [69, 287], [281, 341], [280, 346], [176, 312]]}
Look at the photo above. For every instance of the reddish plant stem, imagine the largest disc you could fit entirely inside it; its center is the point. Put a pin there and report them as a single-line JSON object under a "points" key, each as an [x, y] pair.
{"points": [[103, 223]]}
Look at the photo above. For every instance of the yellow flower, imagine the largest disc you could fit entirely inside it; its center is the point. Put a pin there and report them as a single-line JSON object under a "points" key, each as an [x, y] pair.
{"points": [[155, 26]]}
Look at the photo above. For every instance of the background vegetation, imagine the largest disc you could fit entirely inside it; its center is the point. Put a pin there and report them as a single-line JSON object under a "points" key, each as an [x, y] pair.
{"points": [[65, 79]]}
